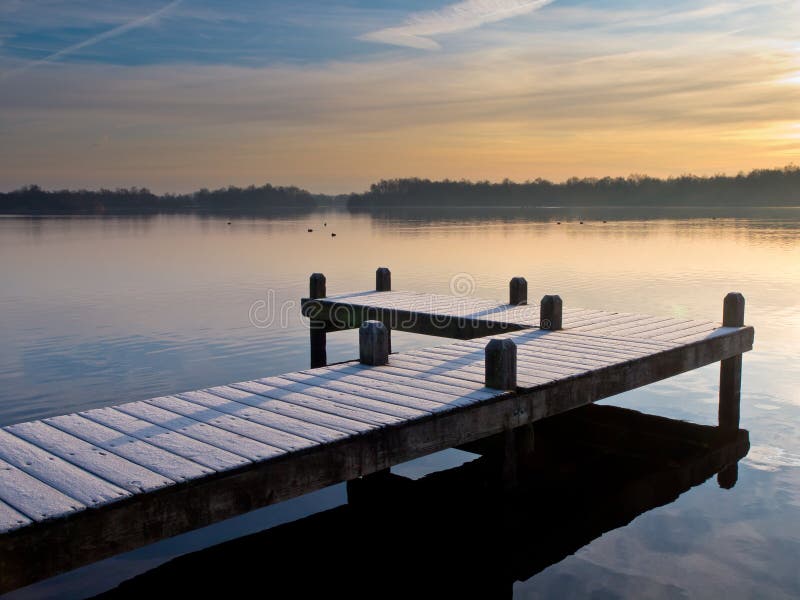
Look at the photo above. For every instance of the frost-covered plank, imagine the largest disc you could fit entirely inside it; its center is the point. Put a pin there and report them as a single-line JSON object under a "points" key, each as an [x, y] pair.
{"points": [[193, 403], [476, 359], [11, 519], [60, 475], [32, 497], [260, 394], [672, 334], [393, 374], [203, 431], [344, 398], [179, 444], [363, 391], [142, 453], [395, 380], [279, 441], [250, 405], [472, 370], [105, 464]]}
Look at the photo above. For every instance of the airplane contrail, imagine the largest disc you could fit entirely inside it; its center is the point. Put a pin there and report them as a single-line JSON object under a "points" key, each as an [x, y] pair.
{"points": [[114, 32]]}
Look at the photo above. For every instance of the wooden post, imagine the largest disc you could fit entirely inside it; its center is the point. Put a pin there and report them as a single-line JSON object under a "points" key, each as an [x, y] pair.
{"points": [[383, 280], [550, 313], [501, 364], [316, 286], [373, 343], [383, 283], [727, 478], [518, 291], [730, 372], [318, 338]]}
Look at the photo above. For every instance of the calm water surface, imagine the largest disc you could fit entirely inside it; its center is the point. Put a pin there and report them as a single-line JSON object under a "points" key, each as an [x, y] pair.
{"points": [[100, 311]]}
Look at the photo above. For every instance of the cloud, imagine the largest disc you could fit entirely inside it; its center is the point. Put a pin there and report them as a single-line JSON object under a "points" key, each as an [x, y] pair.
{"points": [[111, 33], [461, 16]]}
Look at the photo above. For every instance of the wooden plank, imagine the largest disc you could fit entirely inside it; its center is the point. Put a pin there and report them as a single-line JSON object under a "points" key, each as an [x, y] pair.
{"points": [[11, 519], [204, 431], [280, 441], [176, 443], [703, 335], [382, 391], [239, 401], [575, 343], [618, 341], [644, 331], [144, 454], [621, 322], [475, 360], [257, 392], [102, 463], [527, 376], [349, 399], [569, 346], [535, 353], [246, 392], [626, 324], [671, 334], [392, 374], [60, 475], [566, 355], [31, 497], [425, 369], [292, 431]]}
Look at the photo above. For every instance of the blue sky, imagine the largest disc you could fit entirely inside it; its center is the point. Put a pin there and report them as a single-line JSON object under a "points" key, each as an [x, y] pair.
{"points": [[333, 95]]}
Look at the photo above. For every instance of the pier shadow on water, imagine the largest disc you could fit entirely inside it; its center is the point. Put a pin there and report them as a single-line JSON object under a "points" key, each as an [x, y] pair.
{"points": [[470, 531]]}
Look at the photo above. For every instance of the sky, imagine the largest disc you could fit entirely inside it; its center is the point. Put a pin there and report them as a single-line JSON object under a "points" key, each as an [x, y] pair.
{"points": [[334, 95]]}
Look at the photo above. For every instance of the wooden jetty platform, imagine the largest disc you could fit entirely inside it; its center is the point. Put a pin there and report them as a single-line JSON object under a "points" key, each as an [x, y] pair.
{"points": [[78, 488]]}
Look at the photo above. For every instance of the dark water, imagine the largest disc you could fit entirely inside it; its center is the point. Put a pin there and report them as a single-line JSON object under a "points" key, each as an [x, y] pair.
{"points": [[102, 311]]}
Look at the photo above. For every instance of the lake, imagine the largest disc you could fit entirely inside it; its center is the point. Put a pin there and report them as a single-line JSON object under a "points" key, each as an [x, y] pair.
{"points": [[100, 311]]}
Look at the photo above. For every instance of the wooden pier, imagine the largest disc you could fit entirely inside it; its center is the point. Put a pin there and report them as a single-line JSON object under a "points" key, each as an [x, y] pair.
{"points": [[78, 488]]}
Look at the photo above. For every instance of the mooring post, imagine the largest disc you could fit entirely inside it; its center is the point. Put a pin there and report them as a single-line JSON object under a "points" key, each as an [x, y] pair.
{"points": [[318, 338], [501, 364], [730, 372], [518, 291], [383, 280], [501, 374], [550, 313], [383, 283], [373, 343]]}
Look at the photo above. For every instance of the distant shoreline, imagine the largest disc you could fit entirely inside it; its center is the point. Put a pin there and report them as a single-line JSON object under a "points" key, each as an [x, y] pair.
{"points": [[760, 188]]}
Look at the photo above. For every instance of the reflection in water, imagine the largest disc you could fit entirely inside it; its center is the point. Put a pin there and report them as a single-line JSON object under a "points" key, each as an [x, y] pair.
{"points": [[465, 532]]}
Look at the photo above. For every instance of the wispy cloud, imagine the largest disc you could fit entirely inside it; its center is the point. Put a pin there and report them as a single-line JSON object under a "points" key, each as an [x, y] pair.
{"points": [[469, 14], [111, 33]]}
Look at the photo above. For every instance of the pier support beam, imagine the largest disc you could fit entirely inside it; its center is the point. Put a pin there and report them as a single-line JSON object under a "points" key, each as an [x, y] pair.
{"points": [[550, 313], [317, 337], [518, 448], [730, 373], [518, 291]]}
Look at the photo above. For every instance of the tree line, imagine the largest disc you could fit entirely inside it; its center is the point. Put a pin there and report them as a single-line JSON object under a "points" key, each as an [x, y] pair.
{"points": [[34, 200], [761, 187]]}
